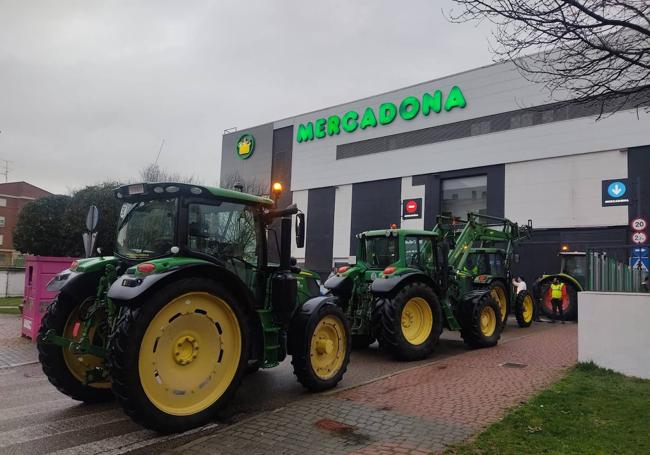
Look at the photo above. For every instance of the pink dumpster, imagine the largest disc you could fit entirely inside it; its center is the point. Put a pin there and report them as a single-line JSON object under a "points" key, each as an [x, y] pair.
{"points": [[39, 270]]}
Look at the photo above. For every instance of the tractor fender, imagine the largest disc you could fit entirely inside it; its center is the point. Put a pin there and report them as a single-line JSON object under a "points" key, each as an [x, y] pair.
{"points": [[388, 285], [132, 289], [295, 337], [77, 285], [340, 286]]}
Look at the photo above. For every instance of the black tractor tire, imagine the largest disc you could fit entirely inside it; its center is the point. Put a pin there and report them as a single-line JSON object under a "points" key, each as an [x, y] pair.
{"points": [[126, 343], [304, 328], [571, 306], [500, 288], [471, 327], [390, 331], [52, 357], [524, 309], [362, 341]]}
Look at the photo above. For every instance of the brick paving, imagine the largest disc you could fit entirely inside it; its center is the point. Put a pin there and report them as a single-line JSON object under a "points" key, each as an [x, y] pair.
{"points": [[418, 411], [14, 349]]}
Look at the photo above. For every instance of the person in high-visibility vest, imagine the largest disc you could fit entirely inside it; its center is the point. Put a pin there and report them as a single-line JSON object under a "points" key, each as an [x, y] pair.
{"points": [[557, 289]]}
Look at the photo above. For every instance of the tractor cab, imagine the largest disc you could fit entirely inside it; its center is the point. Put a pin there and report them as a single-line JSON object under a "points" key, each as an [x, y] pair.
{"points": [[574, 263]]}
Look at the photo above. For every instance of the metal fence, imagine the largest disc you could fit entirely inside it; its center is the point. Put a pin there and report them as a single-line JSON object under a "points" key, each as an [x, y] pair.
{"points": [[609, 271]]}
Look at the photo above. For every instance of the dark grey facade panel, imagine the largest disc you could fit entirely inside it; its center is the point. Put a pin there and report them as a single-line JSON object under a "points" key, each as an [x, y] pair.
{"points": [[504, 121], [433, 190], [539, 255], [281, 172], [375, 205], [320, 230], [638, 172], [254, 171]]}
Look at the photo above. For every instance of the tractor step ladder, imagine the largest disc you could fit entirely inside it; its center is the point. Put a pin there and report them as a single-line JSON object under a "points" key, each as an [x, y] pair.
{"points": [[271, 352]]}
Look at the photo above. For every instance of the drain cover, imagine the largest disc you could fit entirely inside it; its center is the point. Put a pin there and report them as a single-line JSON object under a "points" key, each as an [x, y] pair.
{"points": [[514, 365], [333, 425]]}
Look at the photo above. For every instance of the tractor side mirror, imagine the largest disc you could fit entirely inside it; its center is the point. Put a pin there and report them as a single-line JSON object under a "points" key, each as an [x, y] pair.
{"points": [[300, 230]]}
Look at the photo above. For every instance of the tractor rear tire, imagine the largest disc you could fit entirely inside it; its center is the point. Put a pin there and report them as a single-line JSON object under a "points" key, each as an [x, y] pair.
{"points": [[362, 341], [177, 358], [410, 323], [64, 369], [480, 326], [570, 301], [524, 309], [323, 344], [501, 295]]}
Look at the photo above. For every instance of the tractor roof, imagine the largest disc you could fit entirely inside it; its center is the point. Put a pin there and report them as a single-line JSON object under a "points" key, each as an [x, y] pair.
{"points": [[396, 232], [573, 253], [138, 190]]}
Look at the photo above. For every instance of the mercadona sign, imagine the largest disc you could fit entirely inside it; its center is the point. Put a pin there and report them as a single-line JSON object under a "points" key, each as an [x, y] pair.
{"points": [[409, 108]]}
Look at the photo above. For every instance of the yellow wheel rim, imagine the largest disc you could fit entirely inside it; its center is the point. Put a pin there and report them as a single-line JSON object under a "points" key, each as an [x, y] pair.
{"points": [[327, 348], [190, 353], [417, 321], [78, 364], [500, 296], [527, 309], [488, 321]]}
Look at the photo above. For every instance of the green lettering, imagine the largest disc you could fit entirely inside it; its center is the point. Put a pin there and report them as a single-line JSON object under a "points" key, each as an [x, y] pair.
{"points": [[409, 108], [387, 113], [432, 103], [305, 132], [455, 99], [320, 128], [349, 122], [368, 119], [333, 125]]}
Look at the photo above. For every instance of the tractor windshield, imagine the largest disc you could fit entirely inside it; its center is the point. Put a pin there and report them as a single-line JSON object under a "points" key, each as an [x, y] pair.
{"points": [[381, 251], [146, 228], [576, 266]]}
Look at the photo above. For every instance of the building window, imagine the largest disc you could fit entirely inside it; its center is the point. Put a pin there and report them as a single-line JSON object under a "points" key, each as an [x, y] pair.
{"points": [[460, 196], [3, 202], [2, 239], [2, 221]]}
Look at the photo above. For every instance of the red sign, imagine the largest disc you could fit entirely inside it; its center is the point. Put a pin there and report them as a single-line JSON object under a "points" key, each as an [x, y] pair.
{"points": [[412, 208]]}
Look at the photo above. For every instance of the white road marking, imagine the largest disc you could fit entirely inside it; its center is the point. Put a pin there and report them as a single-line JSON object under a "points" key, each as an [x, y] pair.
{"points": [[118, 445]]}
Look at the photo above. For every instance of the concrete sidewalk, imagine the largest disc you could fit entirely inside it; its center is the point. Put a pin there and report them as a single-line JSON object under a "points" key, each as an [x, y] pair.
{"points": [[418, 411], [14, 349]]}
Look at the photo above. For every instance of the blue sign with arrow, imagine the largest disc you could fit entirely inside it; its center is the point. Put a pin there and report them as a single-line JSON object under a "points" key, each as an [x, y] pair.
{"points": [[615, 192]]}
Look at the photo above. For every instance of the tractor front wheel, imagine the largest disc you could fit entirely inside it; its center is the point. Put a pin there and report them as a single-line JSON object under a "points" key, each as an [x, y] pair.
{"points": [[322, 348], [177, 358], [500, 294], [68, 317], [410, 323], [481, 322], [524, 309]]}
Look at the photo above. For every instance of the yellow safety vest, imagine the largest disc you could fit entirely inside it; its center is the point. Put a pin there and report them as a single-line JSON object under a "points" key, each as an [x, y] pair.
{"points": [[556, 291]]}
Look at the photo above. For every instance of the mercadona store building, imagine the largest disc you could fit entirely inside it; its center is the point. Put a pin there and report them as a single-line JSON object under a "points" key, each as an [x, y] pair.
{"points": [[485, 140]]}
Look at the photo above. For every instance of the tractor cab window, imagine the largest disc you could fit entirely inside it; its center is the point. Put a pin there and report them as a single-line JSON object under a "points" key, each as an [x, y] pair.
{"points": [[477, 264], [419, 252], [497, 264], [381, 251], [146, 228], [576, 266], [227, 231]]}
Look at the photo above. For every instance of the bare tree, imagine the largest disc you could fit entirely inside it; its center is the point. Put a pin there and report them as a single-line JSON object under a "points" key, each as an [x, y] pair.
{"points": [[250, 186], [153, 173], [592, 49]]}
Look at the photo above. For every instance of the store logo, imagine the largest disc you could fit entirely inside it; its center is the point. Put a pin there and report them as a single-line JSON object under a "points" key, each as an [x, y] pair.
{"points": [[409, 108], [616, 189], [245, 146]]}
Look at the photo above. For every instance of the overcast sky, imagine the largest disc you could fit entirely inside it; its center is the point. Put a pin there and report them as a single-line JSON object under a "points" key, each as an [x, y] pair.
{"points": [[88, 89]]}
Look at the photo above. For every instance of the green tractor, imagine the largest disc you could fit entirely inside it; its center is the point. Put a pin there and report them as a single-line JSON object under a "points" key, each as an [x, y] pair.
{"points": [[406, 286], [573, 274], [189, 303], [489, 261]]}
